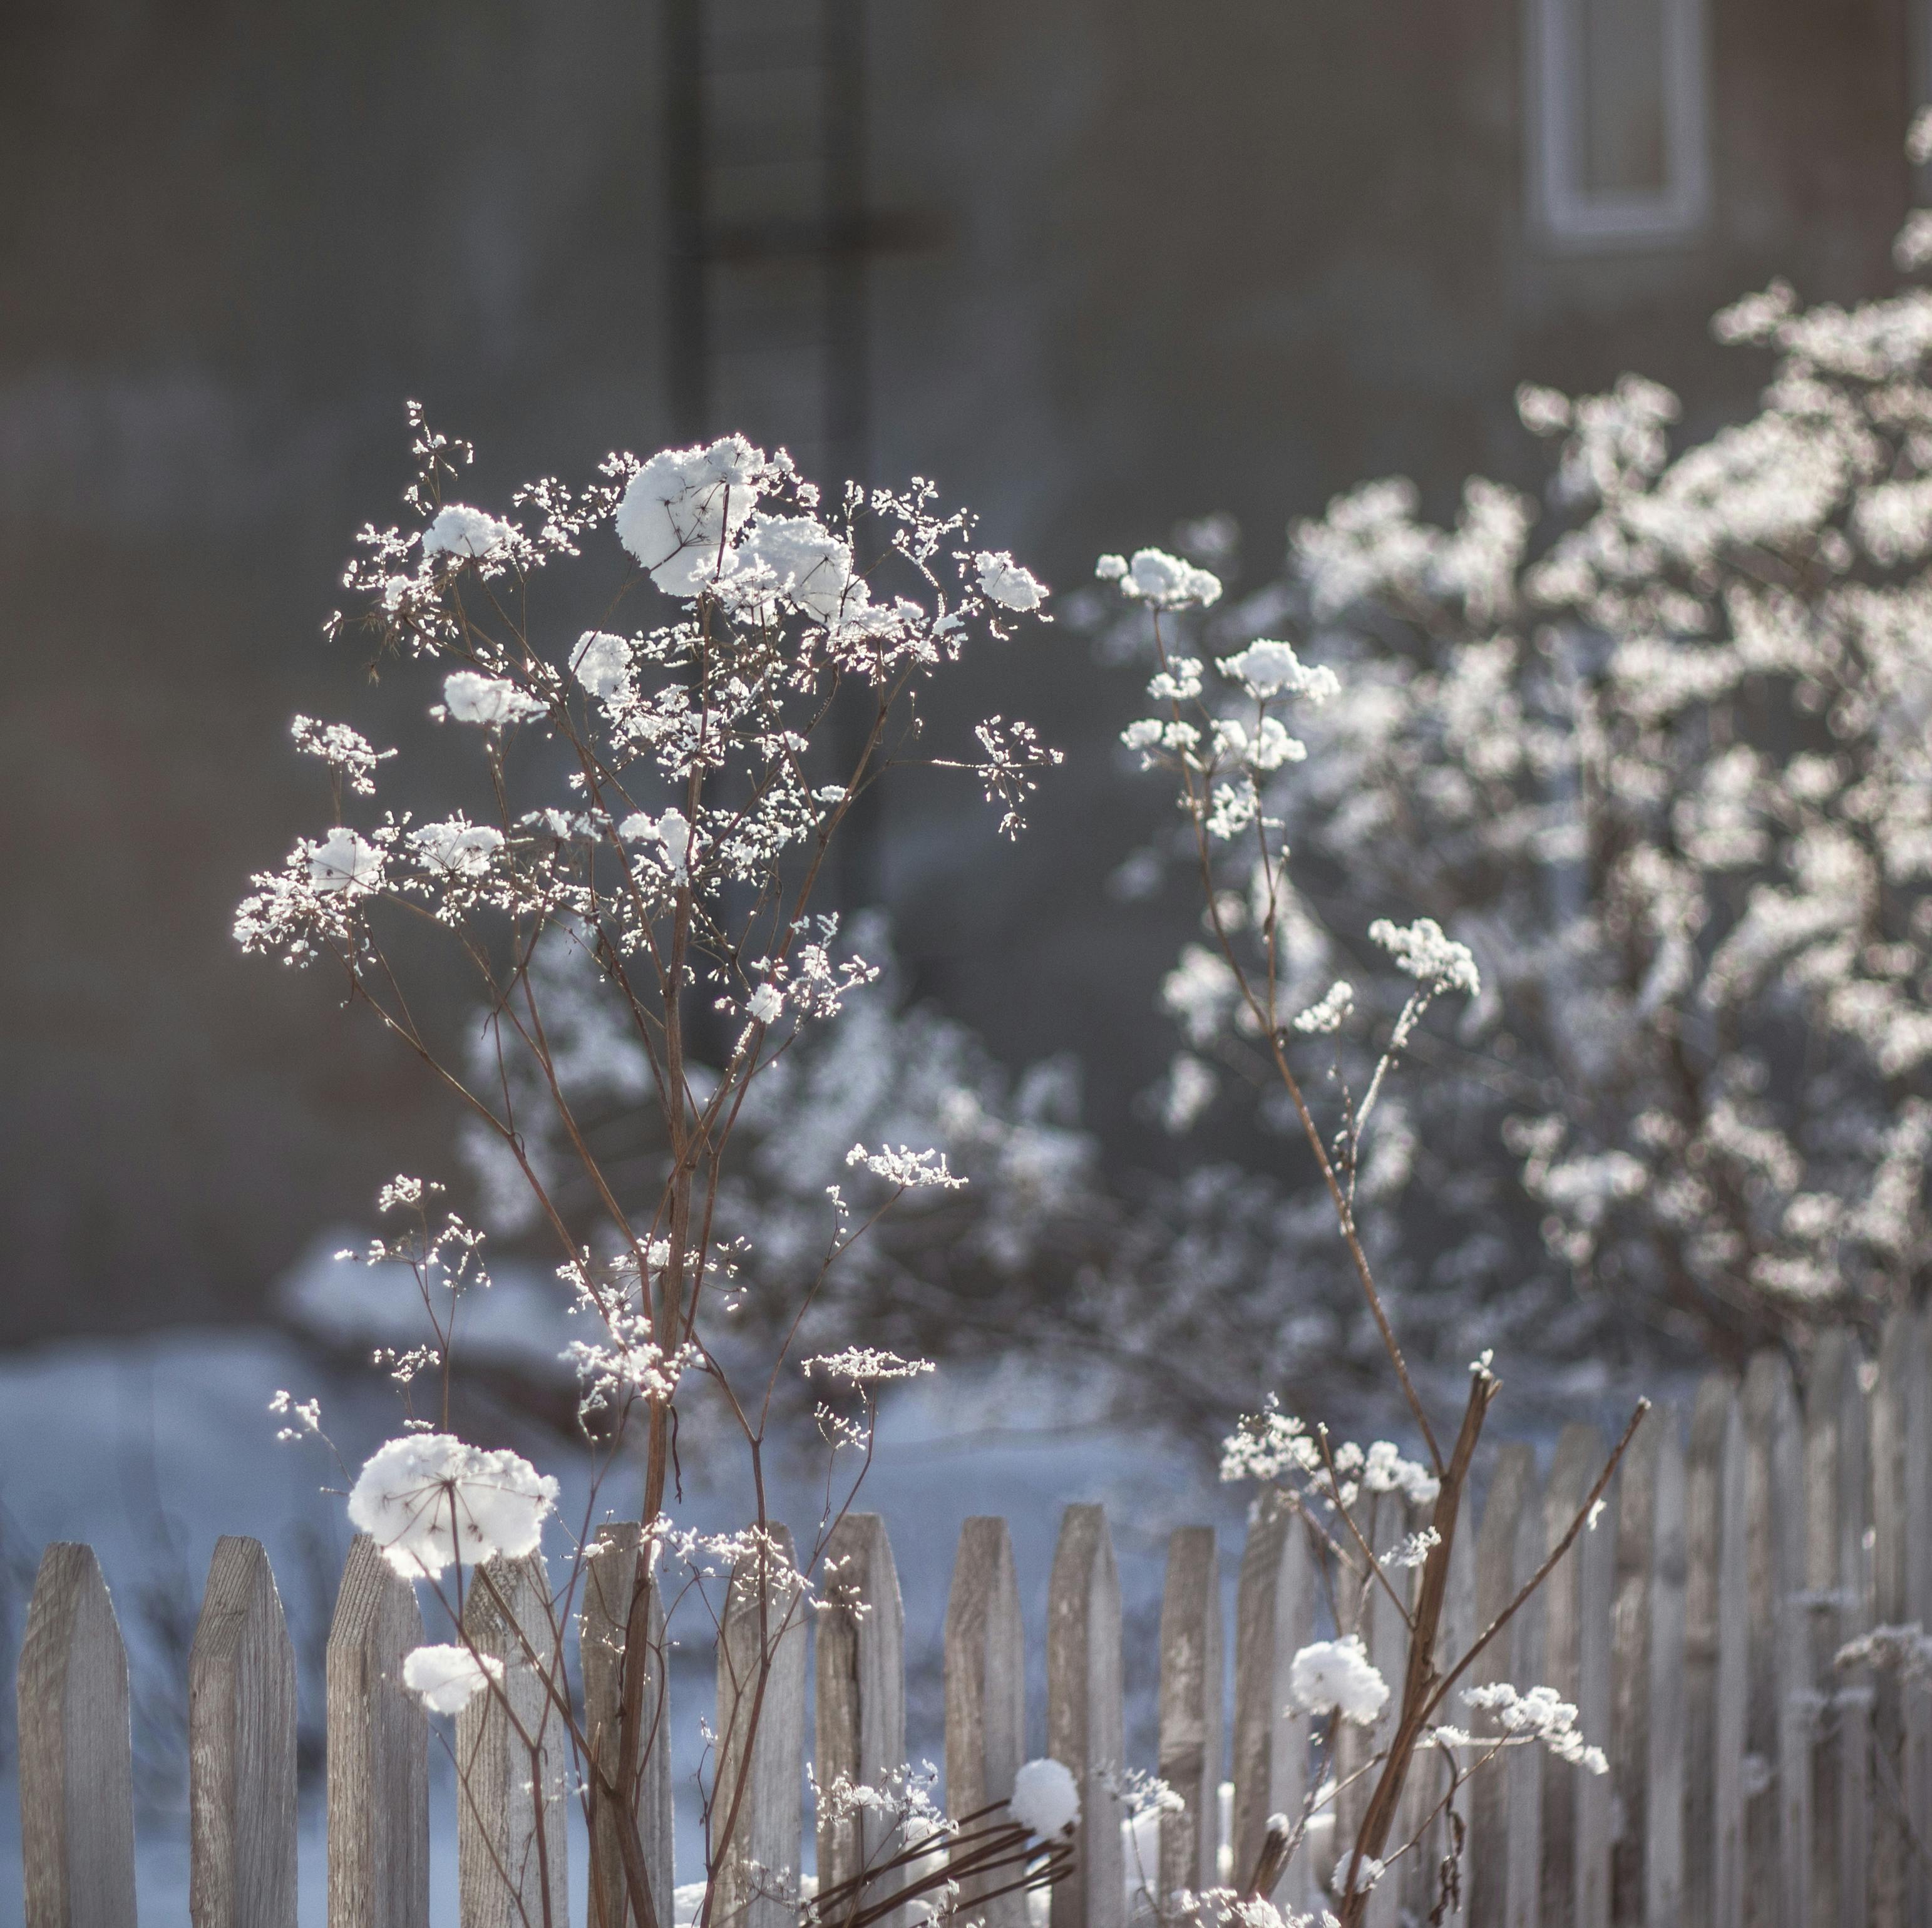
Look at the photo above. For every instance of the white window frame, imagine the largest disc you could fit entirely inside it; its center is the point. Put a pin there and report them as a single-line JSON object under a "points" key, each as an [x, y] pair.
{"points": [[1569, 214]]}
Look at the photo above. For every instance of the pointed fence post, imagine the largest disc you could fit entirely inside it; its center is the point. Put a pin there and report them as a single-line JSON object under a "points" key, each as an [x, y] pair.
{"points": [[1850, 1688], [860, 1699], [1713, 1419], [378, 1743], [1833, 1362], [985, 1693], [76, 1754], [241, 1747], [1579, 1457], [512, 1848], [1727, 1792], [757, 1787], [1917, 1580], [1084, 1714], [1274, 1619], [1191, 1685], [613, 1603], [1522, 1902], [1891, 1850], [1632, 1631], [1663, 1896], [1486, 1871]]}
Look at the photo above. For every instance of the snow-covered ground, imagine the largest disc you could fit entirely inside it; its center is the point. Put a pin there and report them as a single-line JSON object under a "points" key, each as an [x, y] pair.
{"points": [[149, 1449]]}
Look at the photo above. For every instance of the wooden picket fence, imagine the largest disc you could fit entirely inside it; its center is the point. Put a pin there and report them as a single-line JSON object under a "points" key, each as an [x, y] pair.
{"points": [[1755, 1782]]}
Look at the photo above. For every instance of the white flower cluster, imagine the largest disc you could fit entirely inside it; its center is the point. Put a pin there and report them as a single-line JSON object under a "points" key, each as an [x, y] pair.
{"points": [[1539, 1716]]}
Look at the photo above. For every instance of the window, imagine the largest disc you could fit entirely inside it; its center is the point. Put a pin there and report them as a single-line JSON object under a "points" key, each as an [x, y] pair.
{"points": [[1617, 123]]}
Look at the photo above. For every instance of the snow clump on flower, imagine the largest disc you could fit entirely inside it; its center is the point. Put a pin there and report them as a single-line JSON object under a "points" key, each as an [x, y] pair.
{"points": [[765, 1004], [492, 700], [1164, 581], [1435, 961], [1334, 1677], [427, 1499], [811, 566], [1006, 583], [671, 833], [446, 1679], [460, 530], [601, 662], [682, 510], [461, 848], [1269, 668], [344, 861], [1045, 1800], [1330, 1014], [1540, 1714]]}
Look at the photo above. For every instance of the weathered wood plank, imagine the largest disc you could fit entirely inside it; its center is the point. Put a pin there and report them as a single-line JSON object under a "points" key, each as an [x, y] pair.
{"points": [[1631, 1605], [1424, 1889], [612, 1605], [757, 1791], [1664, 1810], [1387, 1525], [1274, 1619], [511, 1846], [1917, 1696], [242, 1748], [378, 1758], [1763, 1900], [985, 1692], [1703, 1508], [1851, 1688], [1510, 1500], [1892, 1852], [1833, 1359], [860, 1698], [76, 1754], [1595, 1795], [1191, 1684], [1523, 1900], [1791, 1689], [1085, 1712], [1578, 1459], [1727, 1794]]}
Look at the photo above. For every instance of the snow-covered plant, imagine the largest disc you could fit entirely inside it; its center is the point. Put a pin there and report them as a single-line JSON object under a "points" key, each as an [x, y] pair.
{"points": [[1656, 756], [1381, 1525], [636, 854]]}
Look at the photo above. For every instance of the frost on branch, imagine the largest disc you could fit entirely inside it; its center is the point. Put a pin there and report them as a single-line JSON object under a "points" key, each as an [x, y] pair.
{"points": [[428, 1501]]}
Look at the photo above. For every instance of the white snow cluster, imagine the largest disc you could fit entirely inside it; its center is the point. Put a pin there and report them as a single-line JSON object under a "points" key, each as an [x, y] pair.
{"points": [[1335, 1677], [427, 1500], [1045, 1800], [457, 529], [445, 1679]]}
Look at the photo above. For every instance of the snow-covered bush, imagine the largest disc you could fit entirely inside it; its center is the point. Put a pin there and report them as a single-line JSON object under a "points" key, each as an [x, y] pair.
{"points": [[1657, 755]]}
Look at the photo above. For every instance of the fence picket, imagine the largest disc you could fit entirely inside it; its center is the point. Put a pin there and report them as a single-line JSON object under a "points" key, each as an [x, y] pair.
{"points": [[76, 1751], [1917, 1564], [1511, 1484], [1758, 1403], [1663, 1896], [511, 1848], [1191, 1684], [1388, 1653], [757, 1791], [1632, 1603], [1085, 1713], [1523, 1883], [860, 1698], [1578, 1458], [1832, 1360], [1703, 1503], [1891, 1847], [1595, 1556], [1274, 1618], [1850, 1689], [985, 1692], [378, 1758], [241, 1747], [612, 1603], [1727, 1788]]}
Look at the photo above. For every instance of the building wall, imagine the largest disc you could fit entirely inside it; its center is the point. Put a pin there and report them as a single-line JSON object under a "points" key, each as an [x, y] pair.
{"points": [[1156, 261]]}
